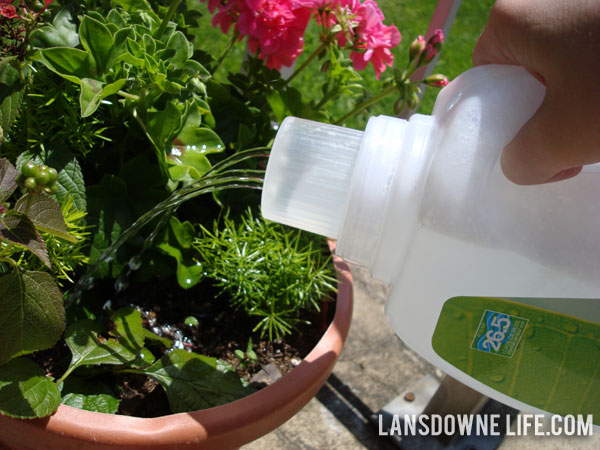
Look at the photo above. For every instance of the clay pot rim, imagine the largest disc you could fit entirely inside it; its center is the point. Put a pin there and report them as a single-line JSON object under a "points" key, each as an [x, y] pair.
{"points": [[246, 414]]}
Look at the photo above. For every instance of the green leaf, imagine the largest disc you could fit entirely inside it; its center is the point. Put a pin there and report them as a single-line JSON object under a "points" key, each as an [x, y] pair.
{"points": [[119, 46], [70, 63], [11, 95], [191, 147], [277, 105], [113, 88], [8, 179], [155, 337], [89, 395], [110, 214], [25, 392], [164, 125], [32, 316], [193, 381], [62, 32], [128, 326], [45, 214], [90, 97], [97, 39], [184, 232], [189, 271], [90, 349], [19, 229], [183, 49], [134, 5], [178, 238]]}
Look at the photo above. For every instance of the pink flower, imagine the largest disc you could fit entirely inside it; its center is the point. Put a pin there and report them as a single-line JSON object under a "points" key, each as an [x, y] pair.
{"points": [[7, 9], [372, 40], [274, 27]]}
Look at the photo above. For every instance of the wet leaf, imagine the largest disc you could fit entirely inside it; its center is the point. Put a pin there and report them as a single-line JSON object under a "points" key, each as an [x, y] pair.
{"points": [[45, 214], [89, 349], [194, 382], [32, 316], [128, 326], [17, 228], [25, 392], [8, 179], [89, 395]]}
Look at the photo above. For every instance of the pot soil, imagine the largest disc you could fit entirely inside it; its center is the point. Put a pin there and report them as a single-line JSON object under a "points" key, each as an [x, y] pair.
{"points": [[224, 427]]}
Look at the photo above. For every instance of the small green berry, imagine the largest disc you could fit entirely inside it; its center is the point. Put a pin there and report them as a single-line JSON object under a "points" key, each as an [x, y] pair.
{"points": [[42, 176], [51, 189], [43, 167], [29, 169], [53, 175], [30, 183]]}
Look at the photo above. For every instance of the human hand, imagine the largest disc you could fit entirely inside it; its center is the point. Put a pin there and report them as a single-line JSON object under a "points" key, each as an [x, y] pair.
{"points": [[559, 43]]}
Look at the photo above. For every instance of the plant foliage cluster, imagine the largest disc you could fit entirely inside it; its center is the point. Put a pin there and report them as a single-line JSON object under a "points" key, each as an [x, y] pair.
{"points": [[111, 126]]}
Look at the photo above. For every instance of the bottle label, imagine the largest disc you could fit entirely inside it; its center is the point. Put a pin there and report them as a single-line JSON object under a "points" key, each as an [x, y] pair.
{"points": [[499, 333], [540, 357]]}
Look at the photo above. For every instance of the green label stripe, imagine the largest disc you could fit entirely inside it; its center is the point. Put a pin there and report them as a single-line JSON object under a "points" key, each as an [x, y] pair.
{"points": [[546, 359]]}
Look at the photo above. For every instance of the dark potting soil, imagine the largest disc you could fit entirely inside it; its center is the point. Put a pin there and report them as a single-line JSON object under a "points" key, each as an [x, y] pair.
{"points": [[219, 333]]}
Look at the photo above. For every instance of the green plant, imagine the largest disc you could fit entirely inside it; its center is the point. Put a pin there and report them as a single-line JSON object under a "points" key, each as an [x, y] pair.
{"points": [[247, 357], [269, 271], [110, 192], [35, 244]]}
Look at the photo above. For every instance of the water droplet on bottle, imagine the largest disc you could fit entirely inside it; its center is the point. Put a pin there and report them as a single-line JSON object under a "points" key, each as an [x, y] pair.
{"points": [[530, 333], [497, 378], [570, 327]]}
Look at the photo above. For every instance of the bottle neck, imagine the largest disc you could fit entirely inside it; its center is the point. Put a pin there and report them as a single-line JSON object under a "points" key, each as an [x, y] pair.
{"points": [[385, 193]]}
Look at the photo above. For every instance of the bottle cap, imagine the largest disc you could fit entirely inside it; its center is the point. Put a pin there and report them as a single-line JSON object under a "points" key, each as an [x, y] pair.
{"points": [[308, 175]]}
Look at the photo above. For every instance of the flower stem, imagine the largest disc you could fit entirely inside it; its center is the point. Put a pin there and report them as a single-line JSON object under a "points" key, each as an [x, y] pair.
{"points": [[366, 104], [167, 18], [128, 95], [312, 56], [225, 51]]}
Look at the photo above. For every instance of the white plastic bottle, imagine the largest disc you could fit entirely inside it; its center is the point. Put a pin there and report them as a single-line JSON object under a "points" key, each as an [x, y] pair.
{"points": [[496, 284]]}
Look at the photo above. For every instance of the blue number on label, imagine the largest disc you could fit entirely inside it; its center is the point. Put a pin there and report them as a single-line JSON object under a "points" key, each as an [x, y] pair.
{"points": [[499, 330]]}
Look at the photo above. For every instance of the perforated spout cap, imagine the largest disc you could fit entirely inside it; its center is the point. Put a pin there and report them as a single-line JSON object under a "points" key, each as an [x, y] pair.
{"points": [[308, 175]]}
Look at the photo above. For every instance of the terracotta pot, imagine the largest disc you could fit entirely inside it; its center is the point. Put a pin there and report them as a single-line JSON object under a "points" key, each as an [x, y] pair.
{"points": [[224, 427]]}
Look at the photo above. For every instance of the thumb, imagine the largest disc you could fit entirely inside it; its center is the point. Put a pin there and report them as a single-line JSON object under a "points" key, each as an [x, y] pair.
{"points": [[552, 145]]}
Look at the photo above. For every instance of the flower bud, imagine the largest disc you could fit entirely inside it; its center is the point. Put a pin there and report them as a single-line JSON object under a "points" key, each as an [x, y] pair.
{"points": [[412, 101], [399, 106], [428, 54], [436, 40], [436, 80], [416, 48]]}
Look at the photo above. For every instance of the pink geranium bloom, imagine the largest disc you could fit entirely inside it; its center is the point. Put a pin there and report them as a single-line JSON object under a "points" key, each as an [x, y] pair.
{"points": [[7, 9], [274, 27], [372, 39]]}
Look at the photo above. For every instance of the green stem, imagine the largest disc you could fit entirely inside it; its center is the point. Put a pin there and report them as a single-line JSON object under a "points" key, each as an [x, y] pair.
{"points": [[225, 52], [312, 56], [366, 104], [133, 97], [65, 375], [168, 17]]}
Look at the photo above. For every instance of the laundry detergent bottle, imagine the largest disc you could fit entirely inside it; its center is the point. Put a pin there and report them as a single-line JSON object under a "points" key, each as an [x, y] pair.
{"points": [[496, 284]]}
